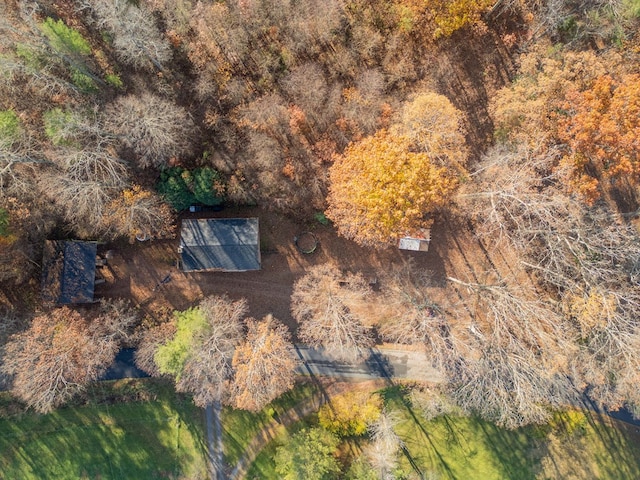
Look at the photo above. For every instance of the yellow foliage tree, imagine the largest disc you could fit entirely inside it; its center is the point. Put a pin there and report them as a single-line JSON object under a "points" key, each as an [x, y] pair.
{"points": [[449, 15], [434, 126], [380, 189], [350, 414]]}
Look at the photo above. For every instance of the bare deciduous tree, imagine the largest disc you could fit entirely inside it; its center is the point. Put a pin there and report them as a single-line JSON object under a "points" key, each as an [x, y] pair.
{"points": [[308, 88], [383, 451], [208, 369], [154, 128], [510, 385], [264, 364], [517, 198], [85, 182], [82, 201], [150, 340], [9, 325], [587, 256], [608, 363], [55, 358], [114, 320], [324, 302], [94, 164], [405, 313], [517, 358], [19, 155], [432, 402], [136, 37]]}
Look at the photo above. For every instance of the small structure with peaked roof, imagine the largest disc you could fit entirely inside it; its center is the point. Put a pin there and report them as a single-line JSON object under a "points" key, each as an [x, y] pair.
{"points": [[69, 271], [220, 244]]}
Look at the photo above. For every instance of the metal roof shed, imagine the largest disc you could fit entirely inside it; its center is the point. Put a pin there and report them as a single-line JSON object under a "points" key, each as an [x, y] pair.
{"points": [[222, 244], [417, 243], [69, 271]]}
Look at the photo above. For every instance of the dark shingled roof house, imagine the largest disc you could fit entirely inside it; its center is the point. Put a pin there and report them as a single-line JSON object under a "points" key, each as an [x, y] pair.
{"points": [[222, 244], [68, 271]]}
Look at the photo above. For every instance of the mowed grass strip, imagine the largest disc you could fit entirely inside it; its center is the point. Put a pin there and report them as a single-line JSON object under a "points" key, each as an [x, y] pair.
{"points": [[153, 434]]}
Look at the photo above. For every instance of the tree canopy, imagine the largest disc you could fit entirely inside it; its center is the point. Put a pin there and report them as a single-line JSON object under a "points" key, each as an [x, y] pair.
{"points": [[200, 352], [264, 364], [380, 190], [310, 455]]}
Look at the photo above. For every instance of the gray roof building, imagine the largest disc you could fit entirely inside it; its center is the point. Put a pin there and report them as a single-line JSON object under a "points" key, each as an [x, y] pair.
{"points": [[68, 271], [222, 244]]}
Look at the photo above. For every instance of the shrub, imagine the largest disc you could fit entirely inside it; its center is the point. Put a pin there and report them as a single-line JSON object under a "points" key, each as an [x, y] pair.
{"points": [[632, 8], [63, 38], [56, 123], [9, 126], [350, 414], [114, 80], [4, 223], [182, 188], [83, 81], [30, 57]]}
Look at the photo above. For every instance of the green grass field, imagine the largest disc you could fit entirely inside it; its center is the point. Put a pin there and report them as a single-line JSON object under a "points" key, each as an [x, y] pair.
{"points": [[155, 434], [576, 445]]}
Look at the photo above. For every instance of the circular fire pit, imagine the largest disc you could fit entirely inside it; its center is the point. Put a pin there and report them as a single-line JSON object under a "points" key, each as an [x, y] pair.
{"points": [[306, 242]]}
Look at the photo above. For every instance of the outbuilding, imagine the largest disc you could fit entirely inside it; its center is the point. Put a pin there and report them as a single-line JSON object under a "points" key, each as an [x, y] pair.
{"points": [[219, 244], [69, 271], [419, 242]]}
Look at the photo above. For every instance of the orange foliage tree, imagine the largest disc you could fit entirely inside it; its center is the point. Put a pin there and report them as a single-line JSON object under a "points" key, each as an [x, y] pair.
{"points": [[264, 364], [380, 189], [601, 133]]}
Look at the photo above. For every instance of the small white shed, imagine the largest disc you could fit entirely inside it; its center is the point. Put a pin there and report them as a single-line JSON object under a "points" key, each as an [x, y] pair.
{"points": [[417, 243]]}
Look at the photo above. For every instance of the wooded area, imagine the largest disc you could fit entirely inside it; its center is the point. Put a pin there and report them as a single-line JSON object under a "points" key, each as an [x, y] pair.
{"points": [[515, 120]]}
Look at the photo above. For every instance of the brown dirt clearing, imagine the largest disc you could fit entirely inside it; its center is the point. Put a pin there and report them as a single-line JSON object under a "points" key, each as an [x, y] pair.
{"points": [[136, 271]]}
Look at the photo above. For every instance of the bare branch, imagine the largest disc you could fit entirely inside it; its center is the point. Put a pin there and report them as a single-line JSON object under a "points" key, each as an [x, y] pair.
{"points": [[323, 302]]}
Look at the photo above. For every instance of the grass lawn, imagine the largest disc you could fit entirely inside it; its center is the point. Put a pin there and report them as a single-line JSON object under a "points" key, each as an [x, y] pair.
{"points": [[576, 445], [130, 429], [240, 426]]}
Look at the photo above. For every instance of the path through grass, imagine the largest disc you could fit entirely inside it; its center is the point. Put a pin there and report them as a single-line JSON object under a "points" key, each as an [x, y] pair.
{"points": [[240, 426]]}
